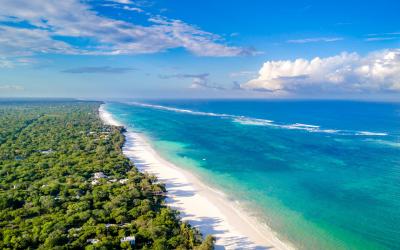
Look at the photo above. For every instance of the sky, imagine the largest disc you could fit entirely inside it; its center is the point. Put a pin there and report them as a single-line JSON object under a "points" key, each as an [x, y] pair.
{"points": [[200, 49]]}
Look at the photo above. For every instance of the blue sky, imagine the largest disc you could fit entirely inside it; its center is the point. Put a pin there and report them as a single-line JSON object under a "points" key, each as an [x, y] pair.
{"points": [[200, 49]]}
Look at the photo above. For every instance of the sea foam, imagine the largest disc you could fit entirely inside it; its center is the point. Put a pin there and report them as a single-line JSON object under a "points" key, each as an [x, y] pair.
{"points": [[244, 120]]}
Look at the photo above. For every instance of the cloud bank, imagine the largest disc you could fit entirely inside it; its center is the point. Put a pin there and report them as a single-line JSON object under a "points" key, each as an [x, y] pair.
{"points": [[378, 71], [74, 27]]}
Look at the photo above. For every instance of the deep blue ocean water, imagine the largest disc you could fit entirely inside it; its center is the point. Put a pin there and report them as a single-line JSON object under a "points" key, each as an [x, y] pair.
{"points": [[323, 174]]}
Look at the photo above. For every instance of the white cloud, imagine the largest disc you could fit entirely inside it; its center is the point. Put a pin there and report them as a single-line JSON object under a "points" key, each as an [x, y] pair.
{"points": [[348, 72], [133, 9], [22, 42], [316, 39], [98, 70], [195, 40], [16, 61], [245, 73], [122, 1], [374, 39], [198, 80], [5, 63], [52, 20], [123, 7], [11, 88], [383, 37]]}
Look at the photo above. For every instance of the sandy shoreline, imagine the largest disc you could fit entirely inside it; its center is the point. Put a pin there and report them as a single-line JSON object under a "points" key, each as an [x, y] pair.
{"points": [[198, 204]]}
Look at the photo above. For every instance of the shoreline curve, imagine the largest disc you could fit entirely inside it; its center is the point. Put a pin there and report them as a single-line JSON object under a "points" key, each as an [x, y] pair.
{"points": [[200, 205]]}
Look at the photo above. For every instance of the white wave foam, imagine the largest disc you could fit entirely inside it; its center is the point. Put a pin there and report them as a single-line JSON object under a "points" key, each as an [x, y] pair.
{"points": [[253, 121], [384, 142], [263, 122], [331, 131], [368, 133], [310, 128], [179, 110], [301, 125]]}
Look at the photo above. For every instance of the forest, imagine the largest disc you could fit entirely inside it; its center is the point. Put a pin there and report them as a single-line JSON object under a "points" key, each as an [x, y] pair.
{"points": [[65, 184]]}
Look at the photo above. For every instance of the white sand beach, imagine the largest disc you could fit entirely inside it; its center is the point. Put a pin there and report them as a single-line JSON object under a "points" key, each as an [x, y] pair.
{"points": [[201, 206]]}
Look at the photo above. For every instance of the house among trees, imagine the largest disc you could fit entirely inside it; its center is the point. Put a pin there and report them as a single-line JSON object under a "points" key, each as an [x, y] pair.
{"points": [[93, 241], [46, 152], [46, 200], [123, 181], [97, 176], [130, 239]]}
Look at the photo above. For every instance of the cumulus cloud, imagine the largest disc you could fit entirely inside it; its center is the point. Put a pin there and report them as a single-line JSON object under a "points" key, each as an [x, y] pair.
{"points": [[98, 70], [378, 71], [52, 25]]}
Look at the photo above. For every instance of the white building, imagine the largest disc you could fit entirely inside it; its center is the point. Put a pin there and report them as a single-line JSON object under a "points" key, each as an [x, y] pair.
{"points": [[130, 239], [99, 175]]}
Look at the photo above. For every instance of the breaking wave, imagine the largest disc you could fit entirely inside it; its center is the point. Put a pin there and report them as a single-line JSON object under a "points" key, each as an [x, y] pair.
{"points": [[243, 120]]}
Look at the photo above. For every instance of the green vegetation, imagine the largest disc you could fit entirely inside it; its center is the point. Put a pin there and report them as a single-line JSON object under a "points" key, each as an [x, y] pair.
{"points": [[65, 184]]}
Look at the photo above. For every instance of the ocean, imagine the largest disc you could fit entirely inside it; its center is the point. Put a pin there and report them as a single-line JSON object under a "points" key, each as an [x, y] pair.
{"points": [[322, 174]]}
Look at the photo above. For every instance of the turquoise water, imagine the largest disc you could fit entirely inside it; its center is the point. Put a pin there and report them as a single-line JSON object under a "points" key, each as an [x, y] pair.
{"points": [[323, 174]]}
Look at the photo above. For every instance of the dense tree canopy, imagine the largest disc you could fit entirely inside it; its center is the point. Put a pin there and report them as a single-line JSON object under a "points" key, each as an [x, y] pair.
{"points": [[65, 184]]}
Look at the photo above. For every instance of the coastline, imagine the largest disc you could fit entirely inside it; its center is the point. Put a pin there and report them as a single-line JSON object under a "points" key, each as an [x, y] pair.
{"points": [[204, 208]]}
